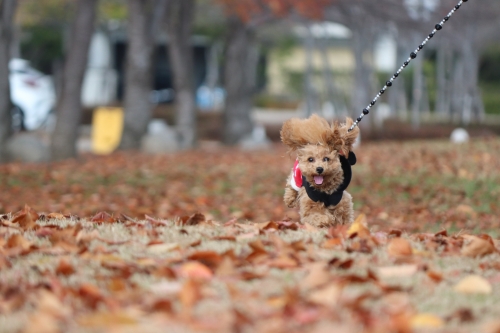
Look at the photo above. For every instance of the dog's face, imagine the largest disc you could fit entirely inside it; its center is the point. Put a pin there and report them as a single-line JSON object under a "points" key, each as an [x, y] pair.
{"points": [[321, 167]]}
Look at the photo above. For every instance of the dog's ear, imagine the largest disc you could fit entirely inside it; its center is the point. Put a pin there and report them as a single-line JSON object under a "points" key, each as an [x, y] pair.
{"points": [[347, 138], [291, 134], [297, 133]]}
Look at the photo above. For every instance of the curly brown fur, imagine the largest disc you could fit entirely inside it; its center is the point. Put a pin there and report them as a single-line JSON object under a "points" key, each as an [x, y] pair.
{"points": [[318, 144]]}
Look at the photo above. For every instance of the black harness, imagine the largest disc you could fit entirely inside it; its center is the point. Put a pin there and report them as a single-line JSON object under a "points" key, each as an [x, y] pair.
{"points": [[334, 198]]}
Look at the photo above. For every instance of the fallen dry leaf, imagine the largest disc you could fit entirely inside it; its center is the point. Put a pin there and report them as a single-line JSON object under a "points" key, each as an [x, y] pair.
{"points": [[209, 258], [359, 228], [26, 218], [103, 217], [473, 284], [435, 276], [57, 216], [327, 295], [106, 319], [163, 247], [399, 247], [317, 276], [397, 271], [65, 268], [40, 322], [476, 247], [17, 241], [189, 295], [426, 321], [195, 270]]}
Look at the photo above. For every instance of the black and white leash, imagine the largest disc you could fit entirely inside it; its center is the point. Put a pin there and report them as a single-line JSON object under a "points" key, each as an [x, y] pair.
{"points": [[413, 55]]}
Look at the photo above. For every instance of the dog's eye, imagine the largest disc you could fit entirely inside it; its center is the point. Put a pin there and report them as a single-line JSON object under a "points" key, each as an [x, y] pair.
{"points": [[310, 159], [326, 159]]}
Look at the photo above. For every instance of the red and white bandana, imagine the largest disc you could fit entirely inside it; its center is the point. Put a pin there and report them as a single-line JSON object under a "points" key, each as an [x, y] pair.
{"points": [[296, 180]]}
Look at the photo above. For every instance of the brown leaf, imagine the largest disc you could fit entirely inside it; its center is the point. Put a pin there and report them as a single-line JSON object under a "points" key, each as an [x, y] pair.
{"points": [[225, 238], [426, 321], [268, 225], [17, 241], [195, 219], [442, 233], [259, 252], [317, 276], [473, 284], [154, 221], [41, 323], [106, 319], [395, 232], [48, 303], [399, 247], [435, 276], [342, 264], [463, 315], [226, 267], [298, 245], [162, 305], [103, 217], [162, 247], [328, 295], [57, 216], [164, 272], [332, 243], [64, 268], [209, 258], [26, 218], [4, 262], [195, 270], [359, 228], [397, 271], [90, 294], [283, 262], [477, 247], [189, 295], [44, 232]]}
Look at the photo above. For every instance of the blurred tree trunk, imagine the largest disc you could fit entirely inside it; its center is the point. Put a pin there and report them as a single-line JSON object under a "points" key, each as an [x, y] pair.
{"points": [[7, 10], [457, 97], [444, 59], [363, 73], [143, 24], [69, 106], [333, 96], [310, 96], [240, 68], [397, 94], [417, 89], [473, 106], [179, 26]]}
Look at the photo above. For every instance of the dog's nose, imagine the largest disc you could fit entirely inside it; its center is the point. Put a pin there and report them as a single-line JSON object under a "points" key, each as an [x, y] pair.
{"points": [[319, 170]]}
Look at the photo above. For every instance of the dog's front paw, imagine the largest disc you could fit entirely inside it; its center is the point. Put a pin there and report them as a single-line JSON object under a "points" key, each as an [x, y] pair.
{"points": [[290, 197]]}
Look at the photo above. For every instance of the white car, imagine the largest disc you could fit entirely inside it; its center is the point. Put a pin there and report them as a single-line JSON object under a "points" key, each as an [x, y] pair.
{"points": [[33, 95]]}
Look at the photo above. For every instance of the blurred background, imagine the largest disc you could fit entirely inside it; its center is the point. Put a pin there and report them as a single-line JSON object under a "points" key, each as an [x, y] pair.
{"points": [[158, 76]]}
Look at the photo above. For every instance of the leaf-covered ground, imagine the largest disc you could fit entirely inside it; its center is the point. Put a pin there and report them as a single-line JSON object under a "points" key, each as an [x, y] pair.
{"points": [[201, 241]]}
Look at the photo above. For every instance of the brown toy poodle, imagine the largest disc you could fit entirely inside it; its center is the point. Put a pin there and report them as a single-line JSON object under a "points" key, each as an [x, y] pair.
{"points": [[322, 171]]}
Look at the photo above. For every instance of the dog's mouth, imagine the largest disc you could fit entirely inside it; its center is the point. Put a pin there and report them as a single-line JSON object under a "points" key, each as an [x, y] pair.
{"points": [[318, 180]]}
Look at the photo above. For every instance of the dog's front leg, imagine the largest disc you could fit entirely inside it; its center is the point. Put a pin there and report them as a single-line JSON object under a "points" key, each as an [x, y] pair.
{"points": [[290, 197]]}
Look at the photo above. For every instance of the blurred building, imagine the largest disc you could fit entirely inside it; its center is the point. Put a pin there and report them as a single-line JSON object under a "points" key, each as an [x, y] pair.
{"points": [[105, 76], [331, 49]]}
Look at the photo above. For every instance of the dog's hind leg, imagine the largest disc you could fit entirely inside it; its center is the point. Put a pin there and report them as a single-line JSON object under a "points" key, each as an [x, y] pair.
{"points": [[343, 213], [317, 220]]}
